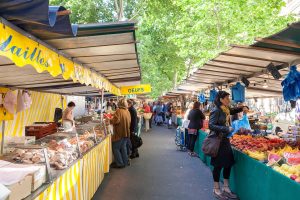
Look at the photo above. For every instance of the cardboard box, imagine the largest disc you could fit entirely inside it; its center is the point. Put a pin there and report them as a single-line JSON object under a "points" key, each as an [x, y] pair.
{"points": [[38, 178], [21, 189]]}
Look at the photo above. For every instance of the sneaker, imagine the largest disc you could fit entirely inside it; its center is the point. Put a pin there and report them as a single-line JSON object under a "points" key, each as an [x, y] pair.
{"points": [[220, 196], [230, 195]]}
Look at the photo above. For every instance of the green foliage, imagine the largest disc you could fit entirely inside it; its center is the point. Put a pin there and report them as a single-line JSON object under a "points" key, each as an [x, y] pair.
{"points": [[177, 35]]}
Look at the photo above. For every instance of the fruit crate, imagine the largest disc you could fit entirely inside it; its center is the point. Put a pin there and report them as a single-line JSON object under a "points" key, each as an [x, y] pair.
{"points": [[41, 129]]}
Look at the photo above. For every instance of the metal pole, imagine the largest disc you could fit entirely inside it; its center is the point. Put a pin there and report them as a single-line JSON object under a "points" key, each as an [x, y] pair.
{"points": [[2, 142], [62, 102], [102, 102]]}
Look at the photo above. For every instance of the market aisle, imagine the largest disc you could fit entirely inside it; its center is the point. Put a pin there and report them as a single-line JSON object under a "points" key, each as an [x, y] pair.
{"points": [[161, 173]]}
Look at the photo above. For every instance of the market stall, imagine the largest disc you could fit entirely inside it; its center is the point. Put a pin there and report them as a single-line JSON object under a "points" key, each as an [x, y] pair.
{"points": [[37, 59], [268, 157]]}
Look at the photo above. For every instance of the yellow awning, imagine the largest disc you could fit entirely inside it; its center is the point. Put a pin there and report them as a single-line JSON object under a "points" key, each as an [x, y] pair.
{"points": [[23, 51]]}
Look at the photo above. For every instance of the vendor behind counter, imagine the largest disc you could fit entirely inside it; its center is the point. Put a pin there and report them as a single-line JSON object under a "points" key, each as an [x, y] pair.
{"points": [[68, 117]]}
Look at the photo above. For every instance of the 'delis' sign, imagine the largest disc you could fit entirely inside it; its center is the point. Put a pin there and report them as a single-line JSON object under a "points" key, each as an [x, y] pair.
{"points": [[136, 89]]}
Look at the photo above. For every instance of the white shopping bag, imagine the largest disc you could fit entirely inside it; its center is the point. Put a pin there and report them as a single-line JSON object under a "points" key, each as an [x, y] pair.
{"points": [[186, 123]]}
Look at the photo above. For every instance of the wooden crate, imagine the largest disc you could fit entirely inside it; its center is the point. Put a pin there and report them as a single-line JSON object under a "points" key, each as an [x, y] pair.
{"points": [[40, 130]]}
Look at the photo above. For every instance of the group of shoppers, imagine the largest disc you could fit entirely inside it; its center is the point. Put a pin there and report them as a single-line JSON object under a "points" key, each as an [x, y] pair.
{"points": [[124, 122], [220, 125], [161, 112]]}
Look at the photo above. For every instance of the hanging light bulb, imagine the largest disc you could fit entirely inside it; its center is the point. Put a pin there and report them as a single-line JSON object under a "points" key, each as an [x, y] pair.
{"points": [[265, 84]]}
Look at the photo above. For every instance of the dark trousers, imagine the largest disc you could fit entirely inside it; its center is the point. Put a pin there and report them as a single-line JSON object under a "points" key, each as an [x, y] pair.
{"points": [[186, 138], [217, 173], [164, 117], [192, 141]]}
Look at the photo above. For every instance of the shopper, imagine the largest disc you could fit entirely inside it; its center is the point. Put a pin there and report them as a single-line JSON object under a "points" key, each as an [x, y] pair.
{"points": [[219, 123], [164, 110], [158, 111], [196, 118], [111, 105], [185, 124], [133, 127], [121, 122], [151, 119], [169, 114], [68, 117], [147, 111], [147, 108]]}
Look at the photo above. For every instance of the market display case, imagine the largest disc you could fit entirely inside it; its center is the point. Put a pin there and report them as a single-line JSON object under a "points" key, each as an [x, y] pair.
{"points": [[53, 155], [27, 169]]}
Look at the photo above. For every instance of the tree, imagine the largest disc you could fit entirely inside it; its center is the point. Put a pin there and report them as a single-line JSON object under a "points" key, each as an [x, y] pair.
{"points": [[195, 31], [177, 36]]}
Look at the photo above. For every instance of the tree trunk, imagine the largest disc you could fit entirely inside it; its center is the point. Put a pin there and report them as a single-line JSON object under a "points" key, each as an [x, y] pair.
{"points": [[119, 9]]}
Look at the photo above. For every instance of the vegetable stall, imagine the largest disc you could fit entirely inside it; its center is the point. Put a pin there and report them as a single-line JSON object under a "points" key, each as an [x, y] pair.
{"points": [[268, 156], [43, 60]]}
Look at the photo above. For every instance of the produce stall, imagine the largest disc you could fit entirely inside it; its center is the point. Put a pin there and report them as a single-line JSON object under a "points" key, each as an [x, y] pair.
{"points": [[251, 177], [267, 158]]}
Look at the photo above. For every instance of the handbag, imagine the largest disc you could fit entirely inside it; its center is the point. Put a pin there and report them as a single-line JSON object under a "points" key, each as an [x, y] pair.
{"points": [[136, 141], [211, 144], [147, 115]]}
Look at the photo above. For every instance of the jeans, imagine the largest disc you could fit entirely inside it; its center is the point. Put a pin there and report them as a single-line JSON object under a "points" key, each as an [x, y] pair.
{"points": [[128, 146], [120, 152]]}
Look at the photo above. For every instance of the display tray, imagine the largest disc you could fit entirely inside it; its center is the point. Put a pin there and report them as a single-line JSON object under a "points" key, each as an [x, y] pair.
{"points": [[57, 173]]}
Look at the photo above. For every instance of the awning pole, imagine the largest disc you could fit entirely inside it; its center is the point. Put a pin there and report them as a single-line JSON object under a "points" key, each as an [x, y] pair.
{"points": [[62, 102], [2, 141], [102, 102]]}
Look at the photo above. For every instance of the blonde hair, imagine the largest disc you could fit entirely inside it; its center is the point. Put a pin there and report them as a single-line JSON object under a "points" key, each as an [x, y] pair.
{"points": [[122, 103], [191, 105]]}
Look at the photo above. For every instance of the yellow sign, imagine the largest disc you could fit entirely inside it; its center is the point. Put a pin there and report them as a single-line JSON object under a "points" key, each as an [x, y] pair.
{"points": [[24, 51], [136, 89]]}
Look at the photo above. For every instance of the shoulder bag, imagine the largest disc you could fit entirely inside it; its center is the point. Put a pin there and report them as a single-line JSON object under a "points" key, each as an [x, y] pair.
{"points": [[211, 144]]}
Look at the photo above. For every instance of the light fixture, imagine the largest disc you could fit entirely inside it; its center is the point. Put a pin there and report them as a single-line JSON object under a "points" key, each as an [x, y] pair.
{"points": [[265, 84], [245, 81], [273, 69]]}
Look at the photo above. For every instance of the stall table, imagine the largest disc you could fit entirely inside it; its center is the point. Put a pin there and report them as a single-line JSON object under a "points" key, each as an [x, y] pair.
{"points": [[251, 179]]}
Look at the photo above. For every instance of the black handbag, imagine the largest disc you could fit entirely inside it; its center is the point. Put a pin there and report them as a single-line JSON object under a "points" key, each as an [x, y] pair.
{"points": [[136, 141], [211, 144]]}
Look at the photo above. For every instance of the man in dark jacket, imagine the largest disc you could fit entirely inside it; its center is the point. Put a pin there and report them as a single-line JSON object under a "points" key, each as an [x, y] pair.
{"points": [[133, 127]]}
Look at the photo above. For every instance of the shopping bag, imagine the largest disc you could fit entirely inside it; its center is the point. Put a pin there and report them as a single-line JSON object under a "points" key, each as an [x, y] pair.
{"points": [[186, 123], [238, 124]]}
